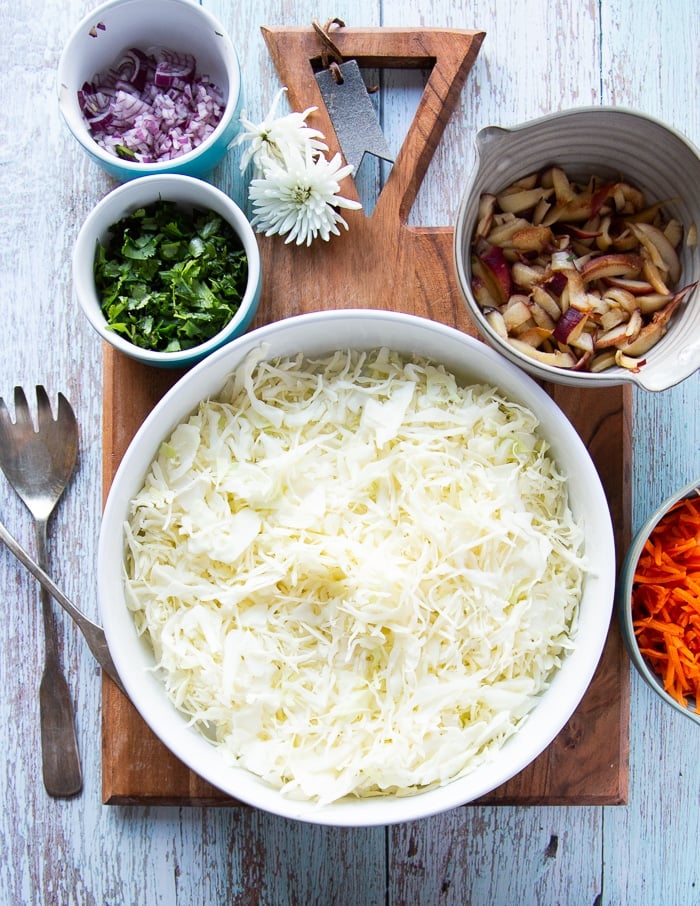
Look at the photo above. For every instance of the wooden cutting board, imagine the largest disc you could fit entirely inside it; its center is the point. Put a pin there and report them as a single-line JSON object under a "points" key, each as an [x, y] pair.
{"points": [[383, 263]]}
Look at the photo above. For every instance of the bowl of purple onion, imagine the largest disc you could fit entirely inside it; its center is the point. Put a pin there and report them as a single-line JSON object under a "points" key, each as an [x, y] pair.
{"points": [[151, 87]]}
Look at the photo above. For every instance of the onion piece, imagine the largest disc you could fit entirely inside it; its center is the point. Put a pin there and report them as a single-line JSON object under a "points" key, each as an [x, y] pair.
{"points": [[151, 106]]}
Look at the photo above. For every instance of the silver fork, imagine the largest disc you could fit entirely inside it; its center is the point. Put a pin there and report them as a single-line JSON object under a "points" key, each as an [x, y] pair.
{"points": [[38, 461]]}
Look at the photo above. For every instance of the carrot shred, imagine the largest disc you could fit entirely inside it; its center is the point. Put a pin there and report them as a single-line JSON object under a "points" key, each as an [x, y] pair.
{"points": [[666, 602]]}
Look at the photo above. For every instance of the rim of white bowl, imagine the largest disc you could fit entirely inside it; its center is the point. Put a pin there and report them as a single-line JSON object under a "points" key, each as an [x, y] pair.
{"points": [[442, 342]]}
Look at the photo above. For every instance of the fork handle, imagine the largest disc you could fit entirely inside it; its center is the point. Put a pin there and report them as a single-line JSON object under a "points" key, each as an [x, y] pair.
{"points": [[92, 633], [63, 776]]}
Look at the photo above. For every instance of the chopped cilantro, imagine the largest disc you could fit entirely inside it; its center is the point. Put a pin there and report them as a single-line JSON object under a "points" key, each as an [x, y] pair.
{"points": [[169, 280]]}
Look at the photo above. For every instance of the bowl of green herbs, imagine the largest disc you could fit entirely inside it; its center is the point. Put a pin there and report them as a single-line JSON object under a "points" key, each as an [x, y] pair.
{"points": [[167, 269]]}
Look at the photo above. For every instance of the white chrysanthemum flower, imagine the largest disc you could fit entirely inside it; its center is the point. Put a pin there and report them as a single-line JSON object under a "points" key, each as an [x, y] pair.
{"points": [[274, 138], [294, 189], [299, 200]]}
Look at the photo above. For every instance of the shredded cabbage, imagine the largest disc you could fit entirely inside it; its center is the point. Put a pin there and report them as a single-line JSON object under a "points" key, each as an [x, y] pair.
{"points": [[357, 575]]}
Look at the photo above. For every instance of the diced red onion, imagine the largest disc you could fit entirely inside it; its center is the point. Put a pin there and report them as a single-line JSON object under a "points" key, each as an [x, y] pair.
{"points": [[172, 67], [134, 68], [151, 104]]}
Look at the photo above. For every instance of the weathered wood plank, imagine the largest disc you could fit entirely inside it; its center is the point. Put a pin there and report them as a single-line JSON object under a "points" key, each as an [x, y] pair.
{"points": [[643, 862], [536, 57]]}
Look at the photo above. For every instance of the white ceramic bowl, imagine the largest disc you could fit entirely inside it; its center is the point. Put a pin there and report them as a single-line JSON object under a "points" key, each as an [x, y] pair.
{"points": [[625, 592], [180, 25], [316, 334], [188, 193], [610, 143]]}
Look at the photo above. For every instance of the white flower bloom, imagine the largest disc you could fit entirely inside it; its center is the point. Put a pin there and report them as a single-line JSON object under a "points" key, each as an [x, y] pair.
{"points": [[271, 140], [298, 199]]}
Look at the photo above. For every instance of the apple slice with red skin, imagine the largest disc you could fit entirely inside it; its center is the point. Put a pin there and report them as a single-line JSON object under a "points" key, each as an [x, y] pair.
{"points": [[636, 287], [661, 253], [612, 265], [577, 264], [569, 326], [496, 272], [652, 332]]}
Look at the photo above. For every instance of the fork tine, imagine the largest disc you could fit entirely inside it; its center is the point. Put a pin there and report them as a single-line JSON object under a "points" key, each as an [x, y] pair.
{"points": [[4, 414], [42, 398], [23, 414], [65, 410], [67, 424], [44, 412]]}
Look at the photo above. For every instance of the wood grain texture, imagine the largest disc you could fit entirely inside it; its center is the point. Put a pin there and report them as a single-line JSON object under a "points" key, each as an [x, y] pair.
{"points": [[665, 765], [535, 58], [383, 263]]}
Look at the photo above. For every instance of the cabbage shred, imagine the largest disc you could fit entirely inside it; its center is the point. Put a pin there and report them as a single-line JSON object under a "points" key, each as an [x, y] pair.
{"points": [[356, 574]]}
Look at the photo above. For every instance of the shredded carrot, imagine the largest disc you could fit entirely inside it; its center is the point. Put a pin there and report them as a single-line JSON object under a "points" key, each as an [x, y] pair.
{"points": [[666, 602]]}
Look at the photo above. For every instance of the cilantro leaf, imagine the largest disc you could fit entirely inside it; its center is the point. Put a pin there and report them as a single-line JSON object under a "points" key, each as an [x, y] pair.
{"points": [[169, 280]]}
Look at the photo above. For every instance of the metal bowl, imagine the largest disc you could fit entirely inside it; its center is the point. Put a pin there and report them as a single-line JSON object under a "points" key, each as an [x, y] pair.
{"points": [[610, 143]]}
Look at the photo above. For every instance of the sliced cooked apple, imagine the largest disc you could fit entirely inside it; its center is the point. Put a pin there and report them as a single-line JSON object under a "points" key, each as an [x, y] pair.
{"points": [[647, 214], [613, 317], [619, 265], [655, 277], [557, 358], [487, 210], [527, 276], [626, 361], [636, 287], [496, 273], [673, 231], [555, 283], [495, 319], [516, 312], [523, 200], [577, 294], [585, 342], [534, 336], [532, 239], [544, 300], [616, 297], [481, 285], [563, 189], [632, 197], [601, 195], [647, 337], [653, 302], [602, 361], [542, 317], [570, 326], [616, 336], [652, 332], [661, 252], [574, 211], [577, 271], [501, 233]]}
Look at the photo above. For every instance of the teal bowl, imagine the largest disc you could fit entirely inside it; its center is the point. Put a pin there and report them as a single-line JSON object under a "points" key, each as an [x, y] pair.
{"points": [[188, 193], [624, 599], [178, 25]]}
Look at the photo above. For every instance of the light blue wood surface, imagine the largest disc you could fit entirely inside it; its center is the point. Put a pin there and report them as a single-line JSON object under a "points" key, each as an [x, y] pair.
{"points": [[538, 57]]}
